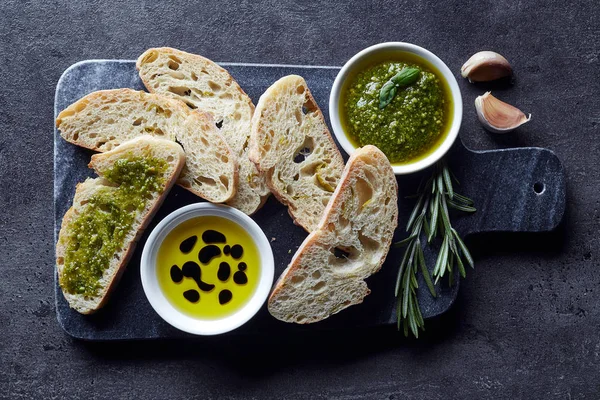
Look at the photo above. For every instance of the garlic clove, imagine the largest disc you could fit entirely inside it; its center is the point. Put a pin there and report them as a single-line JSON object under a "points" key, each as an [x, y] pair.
{"points": [[497, 116], [485, 66]]}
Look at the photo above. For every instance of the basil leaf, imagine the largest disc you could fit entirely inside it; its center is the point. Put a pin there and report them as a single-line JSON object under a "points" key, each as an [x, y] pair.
{"points": [[406, 77], [387, 93]]}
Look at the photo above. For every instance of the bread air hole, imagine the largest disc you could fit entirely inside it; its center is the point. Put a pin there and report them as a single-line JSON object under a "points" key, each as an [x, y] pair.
{"points": [[304, 150], [150, 57], [224, 180], [319, 287], [173, 65], [298, 116], [301, 318], [177, 75], [219, 124], [368, 243], [364, 191], [344, 257], [138, 121], [180, 90], [297, 280], [309, 106], [194, 76], [202, 180], [214, 86]]}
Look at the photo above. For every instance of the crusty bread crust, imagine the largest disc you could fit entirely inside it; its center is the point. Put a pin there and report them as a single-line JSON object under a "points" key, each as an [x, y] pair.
{"points": [[359, 221], [291, 144], [104, 119], [204, 85], [140, 146]]}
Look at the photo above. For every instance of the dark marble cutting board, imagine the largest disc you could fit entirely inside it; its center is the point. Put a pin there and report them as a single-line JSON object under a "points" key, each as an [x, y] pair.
{"points": [[515, 190]]}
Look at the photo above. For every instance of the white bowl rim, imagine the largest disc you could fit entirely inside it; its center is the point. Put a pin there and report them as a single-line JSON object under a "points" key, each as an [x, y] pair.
{"points": [[443, 148], [161, 304]]}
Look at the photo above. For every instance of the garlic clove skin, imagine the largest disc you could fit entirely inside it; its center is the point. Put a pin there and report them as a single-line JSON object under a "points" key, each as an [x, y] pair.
{"points": [[486, 66], [497, 116]]}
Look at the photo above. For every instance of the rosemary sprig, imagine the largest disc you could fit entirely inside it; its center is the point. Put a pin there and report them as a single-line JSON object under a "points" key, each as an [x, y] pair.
{"points": [[430, 217]]}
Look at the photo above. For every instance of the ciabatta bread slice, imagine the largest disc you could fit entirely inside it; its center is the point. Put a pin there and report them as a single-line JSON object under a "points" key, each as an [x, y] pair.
{"points": [[292, 146], [204, 85], [102, 120], [327, 274], [99, 232]]}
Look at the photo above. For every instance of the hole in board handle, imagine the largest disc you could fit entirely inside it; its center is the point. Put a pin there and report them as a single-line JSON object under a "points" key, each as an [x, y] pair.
{"points": [[539, 188]]}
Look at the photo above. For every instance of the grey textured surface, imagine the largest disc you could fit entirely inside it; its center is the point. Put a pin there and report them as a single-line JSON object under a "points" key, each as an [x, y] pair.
{"points": [[526, 322], [503, 191]]}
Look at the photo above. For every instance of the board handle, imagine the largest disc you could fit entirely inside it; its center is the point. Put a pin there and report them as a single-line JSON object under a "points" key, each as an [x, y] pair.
{"points": [[515, 190]]}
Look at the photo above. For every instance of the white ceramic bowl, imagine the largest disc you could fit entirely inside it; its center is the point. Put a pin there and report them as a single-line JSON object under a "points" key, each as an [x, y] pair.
{"points": [[162, 305], [359, 61]]}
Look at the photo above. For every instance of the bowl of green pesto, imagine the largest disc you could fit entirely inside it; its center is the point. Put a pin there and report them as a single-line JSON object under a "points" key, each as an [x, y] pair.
{"points": [[401, 98]]}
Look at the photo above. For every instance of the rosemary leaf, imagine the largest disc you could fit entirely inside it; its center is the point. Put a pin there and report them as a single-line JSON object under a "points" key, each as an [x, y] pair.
{"points": [[420, 321], [442, 259], [414, 213], [413, 283], [461, 267], [406, 290], [445, 215], [448, 181], [413, 324], [425, 272], [461, 207], [440, 184], [434, 217], [426, 228], [404, 242], [464, 249], [402, 267], [463, 199]]}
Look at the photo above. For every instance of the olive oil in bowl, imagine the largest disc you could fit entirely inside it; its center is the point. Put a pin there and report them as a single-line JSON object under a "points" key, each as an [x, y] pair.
{"points": [[208, 267]]}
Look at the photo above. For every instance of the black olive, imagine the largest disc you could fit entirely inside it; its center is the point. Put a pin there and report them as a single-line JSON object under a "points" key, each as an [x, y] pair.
{"points": [[208, 253], [237, 251], [240, 278], [225, 296], [176, 275], [191, 295], [211, 236], [224, 271], [188, 244]]}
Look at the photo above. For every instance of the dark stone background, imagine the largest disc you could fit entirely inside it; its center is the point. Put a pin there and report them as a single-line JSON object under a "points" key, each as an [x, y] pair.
{"points": [[526, 322]]}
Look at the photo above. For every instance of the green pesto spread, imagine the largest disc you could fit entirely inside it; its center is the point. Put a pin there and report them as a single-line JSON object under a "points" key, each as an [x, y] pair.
{"points": [[100, 229], [410, 126]]}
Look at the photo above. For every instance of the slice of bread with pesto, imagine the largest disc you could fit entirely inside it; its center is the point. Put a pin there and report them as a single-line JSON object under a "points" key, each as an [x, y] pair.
{"points": [[204, 85], [327, 274], [292, 146], [102, 120], [109, 213]]}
